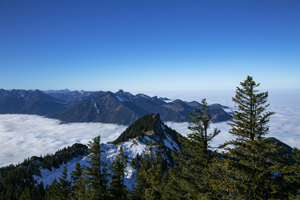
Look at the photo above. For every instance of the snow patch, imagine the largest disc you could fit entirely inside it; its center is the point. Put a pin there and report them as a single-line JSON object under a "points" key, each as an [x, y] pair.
{"points": [[122, 99], [60, 102], [97, 109], [130, 149]]}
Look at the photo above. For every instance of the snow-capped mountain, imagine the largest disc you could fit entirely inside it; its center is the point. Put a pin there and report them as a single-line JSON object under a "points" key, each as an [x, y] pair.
{"points": [[57, 91], [133, 141]]}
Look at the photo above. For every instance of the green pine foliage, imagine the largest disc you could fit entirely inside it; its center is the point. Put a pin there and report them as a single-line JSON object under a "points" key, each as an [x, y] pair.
{"points": [[96, 175], [138, 128], [117, 189], [15, 180], [149, 181], [60, 190], [53, 190], [189, 178], [26, 195], [78, 182], [254, 168], [62, 156], [294, 192]]}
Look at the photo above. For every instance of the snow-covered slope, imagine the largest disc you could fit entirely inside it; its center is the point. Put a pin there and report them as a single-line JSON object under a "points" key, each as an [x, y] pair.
{"points": [[131, 149], [111, 151], [161, 137]]}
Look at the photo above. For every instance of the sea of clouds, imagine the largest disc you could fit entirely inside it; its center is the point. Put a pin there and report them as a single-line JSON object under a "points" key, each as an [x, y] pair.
{"points": [[23, 136]]}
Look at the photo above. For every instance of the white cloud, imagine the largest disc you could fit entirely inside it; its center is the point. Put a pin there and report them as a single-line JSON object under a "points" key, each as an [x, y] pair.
{"points": [[24, 136]]}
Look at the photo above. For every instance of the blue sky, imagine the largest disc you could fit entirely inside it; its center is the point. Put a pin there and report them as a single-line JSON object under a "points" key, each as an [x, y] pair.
{"points": [[148, 45]]}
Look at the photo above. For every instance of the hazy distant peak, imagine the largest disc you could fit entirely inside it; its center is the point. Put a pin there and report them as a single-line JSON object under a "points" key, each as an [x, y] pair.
{"points": [[57, 91]]}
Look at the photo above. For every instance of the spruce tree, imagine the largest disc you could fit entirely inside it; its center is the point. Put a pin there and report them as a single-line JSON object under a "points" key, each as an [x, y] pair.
{"points": [[78, 182], [251, 170], [153, 174], [149, 183], [60, 190], [53, 190], [117, 189], [294, 178], [26, 195], [140, 180], [189, 179], [65, 185], [96, 174]]}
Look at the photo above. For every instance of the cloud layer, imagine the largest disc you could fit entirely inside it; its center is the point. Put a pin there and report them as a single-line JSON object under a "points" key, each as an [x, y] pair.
{"points": [[23, 136]]}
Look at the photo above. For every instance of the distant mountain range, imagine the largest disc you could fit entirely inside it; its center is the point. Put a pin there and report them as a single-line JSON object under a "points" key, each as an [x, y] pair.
{"points": [[30, 102], [87, 106]]}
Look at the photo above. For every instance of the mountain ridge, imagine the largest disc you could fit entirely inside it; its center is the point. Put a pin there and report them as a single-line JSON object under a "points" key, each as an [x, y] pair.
{"points": [[132, 107], [29, 102], [151, 126], [161, 138], [121, 107]]}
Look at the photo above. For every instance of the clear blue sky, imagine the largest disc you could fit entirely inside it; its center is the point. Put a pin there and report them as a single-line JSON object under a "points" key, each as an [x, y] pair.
{"points": [[148, 45]]}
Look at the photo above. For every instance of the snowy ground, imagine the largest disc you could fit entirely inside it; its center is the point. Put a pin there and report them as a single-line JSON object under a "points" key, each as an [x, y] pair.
{"points": [[129, 148]]}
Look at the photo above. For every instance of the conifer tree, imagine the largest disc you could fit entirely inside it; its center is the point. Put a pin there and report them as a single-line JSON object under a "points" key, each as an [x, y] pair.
{"points": [[26, 195], [140, 180], [78, 185], [96, 174], [61, 189], [117, 189], [123, 156], [189, 179], [149, 176], [254, 162], [154, 174], [294, 179], [65, 185], [53, 190]]}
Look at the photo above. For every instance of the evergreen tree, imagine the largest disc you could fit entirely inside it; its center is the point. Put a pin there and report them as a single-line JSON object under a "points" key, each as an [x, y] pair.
{"points": [[140, 180], [117, 189], [26, 195], [154, 176], [123, 156], [295, 177], [149, 177], [189, 179], [78, 185], [53, 190], [60, 190], [96, 174], [65, 185], [254, 162]]}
